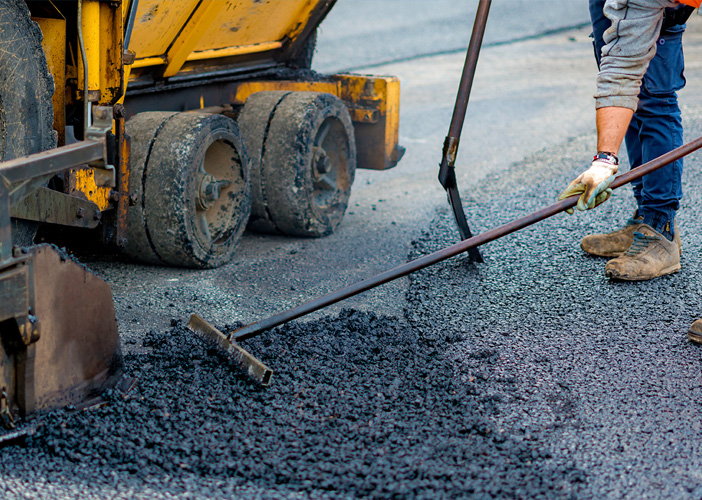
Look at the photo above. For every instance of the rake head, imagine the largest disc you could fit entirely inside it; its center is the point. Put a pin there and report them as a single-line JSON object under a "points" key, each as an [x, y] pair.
{"points": [[245, 362]]}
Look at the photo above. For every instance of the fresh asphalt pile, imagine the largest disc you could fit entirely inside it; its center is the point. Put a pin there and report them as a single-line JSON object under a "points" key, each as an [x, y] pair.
{"points": [[529, 376], [361, 406]]}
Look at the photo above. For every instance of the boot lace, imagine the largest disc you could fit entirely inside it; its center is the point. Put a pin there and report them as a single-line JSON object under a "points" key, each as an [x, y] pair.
{"points": [[640, 243], [634, 221]]}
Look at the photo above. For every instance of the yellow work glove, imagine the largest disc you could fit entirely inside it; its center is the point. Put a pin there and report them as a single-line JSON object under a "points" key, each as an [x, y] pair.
{"points": [[593, 184]]}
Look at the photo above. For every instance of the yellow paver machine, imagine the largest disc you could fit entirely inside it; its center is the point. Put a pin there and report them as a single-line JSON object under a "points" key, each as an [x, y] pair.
{"points": [[162, 128]]}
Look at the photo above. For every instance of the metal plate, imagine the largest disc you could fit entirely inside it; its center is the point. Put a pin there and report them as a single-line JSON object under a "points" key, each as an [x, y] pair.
{"points": [[78, 355]]}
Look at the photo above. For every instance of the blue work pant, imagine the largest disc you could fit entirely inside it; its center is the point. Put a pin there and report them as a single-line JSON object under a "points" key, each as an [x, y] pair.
{"points": [[657, 126]]}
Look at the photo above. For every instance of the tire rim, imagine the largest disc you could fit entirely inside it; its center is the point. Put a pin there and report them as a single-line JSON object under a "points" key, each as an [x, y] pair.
{"points": [[218, 183], [329, 163]]}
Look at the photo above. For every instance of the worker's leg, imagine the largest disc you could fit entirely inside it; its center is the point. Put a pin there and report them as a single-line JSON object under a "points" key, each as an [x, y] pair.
{"points": [[657, 125], [655, 249], [634, 151], [660, 131]]}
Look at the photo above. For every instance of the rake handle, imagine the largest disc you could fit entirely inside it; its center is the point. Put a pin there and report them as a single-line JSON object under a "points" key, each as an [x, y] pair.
{"points": [[314, 305]]}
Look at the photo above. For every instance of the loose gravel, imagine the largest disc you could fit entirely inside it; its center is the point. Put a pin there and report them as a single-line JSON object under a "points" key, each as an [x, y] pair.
{"points": [[361, 407], [529, 376]]}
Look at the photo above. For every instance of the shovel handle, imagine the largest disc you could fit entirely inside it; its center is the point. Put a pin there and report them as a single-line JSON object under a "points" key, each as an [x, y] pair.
{"points": [[476, 42]]}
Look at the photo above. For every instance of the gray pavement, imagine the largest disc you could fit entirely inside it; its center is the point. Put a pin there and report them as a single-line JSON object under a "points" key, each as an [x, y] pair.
{"points": [[362, 33]]}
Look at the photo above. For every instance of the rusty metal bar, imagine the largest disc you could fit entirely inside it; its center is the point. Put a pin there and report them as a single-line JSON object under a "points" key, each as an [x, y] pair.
{"points": [[122, 164], [476, 41], [47, 205], [433, 258], [447, 171], [52, 161]]}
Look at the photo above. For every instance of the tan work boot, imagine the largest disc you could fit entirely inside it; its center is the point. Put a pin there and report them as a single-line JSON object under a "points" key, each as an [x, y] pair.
{"points": [[694, 334], [617, 242], [612, 244], [650, 255]]}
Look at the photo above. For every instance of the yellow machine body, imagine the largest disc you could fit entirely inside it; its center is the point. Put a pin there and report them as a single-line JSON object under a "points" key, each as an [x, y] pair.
{"points": [[170, 39], [172, 34], [178, 39]]}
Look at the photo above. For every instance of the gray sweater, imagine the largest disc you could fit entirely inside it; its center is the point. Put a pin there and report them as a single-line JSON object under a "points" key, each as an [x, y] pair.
{"points": [[630, 44]]}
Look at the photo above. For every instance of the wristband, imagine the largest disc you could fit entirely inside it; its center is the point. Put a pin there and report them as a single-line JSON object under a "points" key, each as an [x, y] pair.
{"points": [[608, 157]]}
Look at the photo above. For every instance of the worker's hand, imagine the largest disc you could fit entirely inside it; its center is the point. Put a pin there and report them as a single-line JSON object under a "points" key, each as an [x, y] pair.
{"points": [[593, 184]]}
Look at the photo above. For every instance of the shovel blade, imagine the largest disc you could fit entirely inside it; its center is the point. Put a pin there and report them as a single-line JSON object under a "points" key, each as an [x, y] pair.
{"points": [[460, 217], [244, 361]]}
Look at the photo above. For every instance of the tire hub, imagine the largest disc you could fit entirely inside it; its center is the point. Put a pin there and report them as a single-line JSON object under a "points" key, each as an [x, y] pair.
{"points": [[210, 190], [321, 164]]}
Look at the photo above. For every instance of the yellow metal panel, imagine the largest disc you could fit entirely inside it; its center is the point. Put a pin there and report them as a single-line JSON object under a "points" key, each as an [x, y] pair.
{"points": [[392, 120], [245, 89], [374, 103], [54, 43], [173, 32], [111, 67], [249, 22], [200, 21], [91, 37], [84, 179], [157, 24]]}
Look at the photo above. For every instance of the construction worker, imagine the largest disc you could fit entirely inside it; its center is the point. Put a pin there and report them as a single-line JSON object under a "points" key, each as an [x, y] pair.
{"points": [[639, 51]]}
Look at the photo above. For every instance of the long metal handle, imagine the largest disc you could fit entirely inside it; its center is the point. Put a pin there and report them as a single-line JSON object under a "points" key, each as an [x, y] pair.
{"points": [[428, 260], [476, 42], [447, 171]]}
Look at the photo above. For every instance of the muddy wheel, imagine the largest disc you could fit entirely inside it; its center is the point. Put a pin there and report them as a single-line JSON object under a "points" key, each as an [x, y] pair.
{"points": [[304, 160], [190, 178], [142, 130], [26, 87]]}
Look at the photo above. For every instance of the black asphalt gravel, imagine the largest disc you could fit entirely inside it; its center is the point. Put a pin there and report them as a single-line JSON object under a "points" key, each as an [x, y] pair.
{"points": [[529, 376], [361, 407]]}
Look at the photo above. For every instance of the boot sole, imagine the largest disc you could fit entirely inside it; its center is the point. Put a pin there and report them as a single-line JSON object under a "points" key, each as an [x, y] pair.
{"points": [[610, 255], [605, 255], [694, 337], [613, 275], [613, 255]]}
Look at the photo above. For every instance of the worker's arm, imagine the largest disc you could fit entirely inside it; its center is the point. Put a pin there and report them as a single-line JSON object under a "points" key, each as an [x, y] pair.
{"points": [[630, 44], [612, 123]]}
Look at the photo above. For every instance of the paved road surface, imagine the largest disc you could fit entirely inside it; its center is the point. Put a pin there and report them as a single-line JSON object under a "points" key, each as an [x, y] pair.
{"points": [[360, 33]]}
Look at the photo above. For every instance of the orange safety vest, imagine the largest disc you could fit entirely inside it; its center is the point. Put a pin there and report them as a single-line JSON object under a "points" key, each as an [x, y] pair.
{"points": [[691, 3]]}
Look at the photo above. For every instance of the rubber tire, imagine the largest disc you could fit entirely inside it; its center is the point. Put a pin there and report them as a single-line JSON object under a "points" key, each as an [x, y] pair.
{"points": [[165, 216], [280, 130], [26, 89], [142, 130], [254, 121]]}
